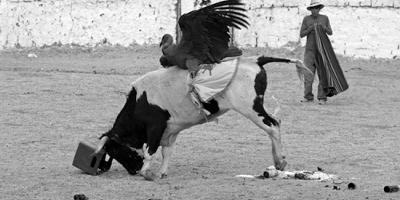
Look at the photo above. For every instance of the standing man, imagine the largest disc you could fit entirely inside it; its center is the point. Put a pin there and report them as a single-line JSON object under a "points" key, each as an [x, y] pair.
{"points": [[311, 54]]}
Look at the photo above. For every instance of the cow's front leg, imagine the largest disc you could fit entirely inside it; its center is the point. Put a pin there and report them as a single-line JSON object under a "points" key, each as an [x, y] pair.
{"points": [[166, 156], [145, 171]]}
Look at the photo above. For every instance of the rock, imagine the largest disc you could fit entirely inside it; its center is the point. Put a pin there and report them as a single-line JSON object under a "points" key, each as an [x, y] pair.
{"points": [[351, 186], [80, 197]]}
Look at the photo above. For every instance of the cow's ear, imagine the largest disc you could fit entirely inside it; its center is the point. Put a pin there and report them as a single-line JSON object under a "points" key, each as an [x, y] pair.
{"points": [[142, 100], [128, 109], [132, 94], [131, 100]]}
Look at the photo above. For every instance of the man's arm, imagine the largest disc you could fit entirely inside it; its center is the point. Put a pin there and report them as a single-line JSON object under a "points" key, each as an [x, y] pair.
{"points": [[327, 27], [304, 30]]}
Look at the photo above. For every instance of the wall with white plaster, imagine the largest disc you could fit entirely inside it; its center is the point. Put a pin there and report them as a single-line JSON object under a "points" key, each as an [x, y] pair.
{"points": [[361, 28], [85, 22]]}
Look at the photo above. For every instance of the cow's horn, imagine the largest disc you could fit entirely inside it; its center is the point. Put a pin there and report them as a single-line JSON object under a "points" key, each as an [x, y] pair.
{"points": [[100, 146]]}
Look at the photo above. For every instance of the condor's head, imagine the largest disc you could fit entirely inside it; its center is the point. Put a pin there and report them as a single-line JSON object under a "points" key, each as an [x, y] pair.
{"points": [[166, 41]]}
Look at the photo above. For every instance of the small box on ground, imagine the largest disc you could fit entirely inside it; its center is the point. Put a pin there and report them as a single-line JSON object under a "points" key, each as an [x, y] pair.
{"points": [[89, 163]]}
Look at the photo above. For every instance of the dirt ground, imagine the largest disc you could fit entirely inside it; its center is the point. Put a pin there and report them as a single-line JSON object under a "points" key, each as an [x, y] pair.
{"points": [[71, 94]]}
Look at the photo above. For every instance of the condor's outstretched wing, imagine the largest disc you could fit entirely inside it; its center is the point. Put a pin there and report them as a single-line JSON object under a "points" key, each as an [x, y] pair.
{"points": [[205, 31]]}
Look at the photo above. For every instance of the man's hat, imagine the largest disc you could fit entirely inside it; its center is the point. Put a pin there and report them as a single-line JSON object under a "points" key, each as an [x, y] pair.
{"points": [[315, 3]]}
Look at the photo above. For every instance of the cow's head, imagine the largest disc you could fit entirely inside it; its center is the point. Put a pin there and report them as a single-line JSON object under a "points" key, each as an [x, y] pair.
{"points": [[139, 122], [126, 135]]}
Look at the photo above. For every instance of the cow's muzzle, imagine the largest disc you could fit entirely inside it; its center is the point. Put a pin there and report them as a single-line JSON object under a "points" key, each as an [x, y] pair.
{"points": [[126, 156]]}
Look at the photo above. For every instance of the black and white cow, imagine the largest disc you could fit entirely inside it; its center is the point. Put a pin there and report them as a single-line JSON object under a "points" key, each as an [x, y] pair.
{"points": [[158, 107]]}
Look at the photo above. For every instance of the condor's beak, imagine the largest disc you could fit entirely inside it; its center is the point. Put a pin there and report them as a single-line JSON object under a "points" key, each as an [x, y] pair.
{"points": [[162, 42]]}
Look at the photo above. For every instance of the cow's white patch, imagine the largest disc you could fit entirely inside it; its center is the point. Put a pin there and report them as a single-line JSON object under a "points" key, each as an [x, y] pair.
{"points": [[138, 151]]}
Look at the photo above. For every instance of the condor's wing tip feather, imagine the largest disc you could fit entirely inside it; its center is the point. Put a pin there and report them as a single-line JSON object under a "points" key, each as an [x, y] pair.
{"points": [[239, 20], [208, 27], [229, 4], [233, 15]]}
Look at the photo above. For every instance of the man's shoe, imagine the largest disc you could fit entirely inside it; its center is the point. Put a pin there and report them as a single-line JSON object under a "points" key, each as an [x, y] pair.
{"points": [[306, 100]]}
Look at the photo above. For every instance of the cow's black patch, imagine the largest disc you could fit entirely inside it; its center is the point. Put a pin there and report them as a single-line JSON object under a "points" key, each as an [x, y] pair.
{"points": [[211, 106], [260, 85], [154, 119], [138, 122]]}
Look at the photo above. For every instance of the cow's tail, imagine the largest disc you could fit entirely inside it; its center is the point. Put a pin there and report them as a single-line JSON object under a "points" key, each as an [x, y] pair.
{"points": [[262, 60], [301, 69], [261, 85]]}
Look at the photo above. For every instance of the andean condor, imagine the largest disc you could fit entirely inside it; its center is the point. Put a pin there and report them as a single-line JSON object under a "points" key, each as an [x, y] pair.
{"points": [[205, 36]]}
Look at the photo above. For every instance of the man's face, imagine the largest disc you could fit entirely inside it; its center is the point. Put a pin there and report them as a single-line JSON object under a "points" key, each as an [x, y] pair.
{"points": [[315, 11]]}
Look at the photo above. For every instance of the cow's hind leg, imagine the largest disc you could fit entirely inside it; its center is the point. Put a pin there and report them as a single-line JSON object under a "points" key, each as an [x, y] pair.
{"points": [[271, 127], [251, 105]]}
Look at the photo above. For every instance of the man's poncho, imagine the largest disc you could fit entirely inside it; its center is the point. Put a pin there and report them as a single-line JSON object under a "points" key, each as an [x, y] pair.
{"points": [[332, 77]]}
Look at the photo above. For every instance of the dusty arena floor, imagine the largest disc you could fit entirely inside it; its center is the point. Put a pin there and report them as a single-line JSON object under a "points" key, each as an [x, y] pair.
{"points": [[51, 102]]}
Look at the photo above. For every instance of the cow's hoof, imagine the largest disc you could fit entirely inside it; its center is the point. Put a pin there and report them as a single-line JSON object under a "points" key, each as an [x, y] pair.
{"points": [[281, 166], [148, 175], [163, 176]]}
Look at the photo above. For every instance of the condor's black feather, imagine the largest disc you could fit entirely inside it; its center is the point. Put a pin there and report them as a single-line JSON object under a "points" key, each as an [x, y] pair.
{"points": [[205, 33]]}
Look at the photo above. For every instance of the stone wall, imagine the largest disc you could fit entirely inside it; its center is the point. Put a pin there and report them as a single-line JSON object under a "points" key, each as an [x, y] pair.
{"points": [[361, 28]]}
